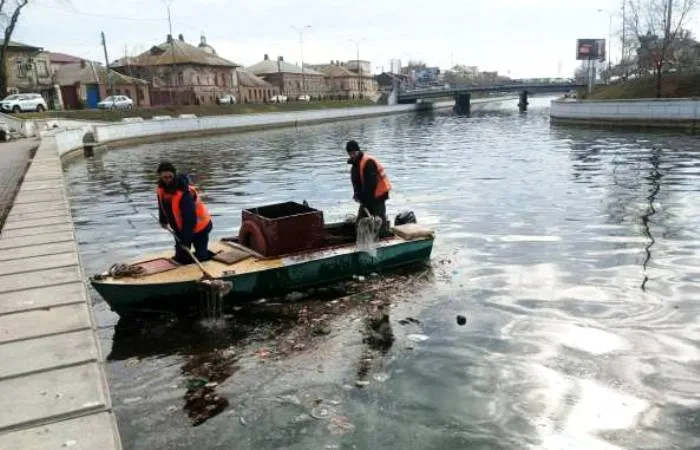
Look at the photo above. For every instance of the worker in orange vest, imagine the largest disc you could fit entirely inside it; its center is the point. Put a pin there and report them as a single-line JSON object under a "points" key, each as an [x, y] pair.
{"points": [[181, 208], [370, 183]]}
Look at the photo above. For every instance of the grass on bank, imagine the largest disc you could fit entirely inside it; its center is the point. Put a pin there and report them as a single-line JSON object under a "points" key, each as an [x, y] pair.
{"points": [[672, 86], [199, 110]]}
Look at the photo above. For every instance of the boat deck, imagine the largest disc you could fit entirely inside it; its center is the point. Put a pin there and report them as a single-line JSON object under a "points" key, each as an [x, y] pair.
{"points": [[52, 382], [248, 262]]}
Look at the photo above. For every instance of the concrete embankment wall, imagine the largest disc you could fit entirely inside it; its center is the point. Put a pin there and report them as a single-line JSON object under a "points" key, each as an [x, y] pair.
{"points": [[677, 113], [69, 135]]}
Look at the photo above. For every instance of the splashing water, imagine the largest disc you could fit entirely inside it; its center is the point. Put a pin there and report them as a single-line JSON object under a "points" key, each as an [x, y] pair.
{"points": [[213, 293], [368, 235]]}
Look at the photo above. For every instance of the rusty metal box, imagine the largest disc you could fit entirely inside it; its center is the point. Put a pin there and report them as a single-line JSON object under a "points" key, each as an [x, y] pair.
{"points": [[287, 227]]}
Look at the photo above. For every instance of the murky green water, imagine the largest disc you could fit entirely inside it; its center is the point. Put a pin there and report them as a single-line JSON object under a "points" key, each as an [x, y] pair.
{"points": [[573, 253]]}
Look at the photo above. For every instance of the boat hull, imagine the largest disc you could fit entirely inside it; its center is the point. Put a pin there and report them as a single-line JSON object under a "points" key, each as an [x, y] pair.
{"points": [[289, 274]]}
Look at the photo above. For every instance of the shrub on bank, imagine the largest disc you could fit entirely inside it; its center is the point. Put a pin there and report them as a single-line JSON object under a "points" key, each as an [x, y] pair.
{"points": [[672, 86]]}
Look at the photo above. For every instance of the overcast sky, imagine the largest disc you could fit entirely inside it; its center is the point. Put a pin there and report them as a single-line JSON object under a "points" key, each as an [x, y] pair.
{"points": [[523, 38]]}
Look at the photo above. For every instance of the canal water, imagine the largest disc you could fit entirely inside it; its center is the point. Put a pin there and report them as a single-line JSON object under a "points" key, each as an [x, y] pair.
{"points": [[572, 253]]}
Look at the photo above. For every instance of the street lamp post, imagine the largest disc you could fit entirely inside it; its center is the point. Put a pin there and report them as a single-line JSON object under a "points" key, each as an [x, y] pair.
{"points": [[359, 68], [301, 51]]}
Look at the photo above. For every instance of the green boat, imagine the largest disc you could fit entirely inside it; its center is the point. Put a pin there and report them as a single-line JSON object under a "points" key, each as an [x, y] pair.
{"points": [[157, 281]]}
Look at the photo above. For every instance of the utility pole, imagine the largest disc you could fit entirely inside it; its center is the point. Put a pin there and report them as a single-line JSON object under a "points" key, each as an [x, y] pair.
{"points": [[174, 77], [301, 51], [109, 72]]}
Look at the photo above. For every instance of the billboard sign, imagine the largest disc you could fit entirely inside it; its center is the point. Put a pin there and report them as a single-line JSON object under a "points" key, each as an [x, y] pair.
{"points": [[590, 49]]}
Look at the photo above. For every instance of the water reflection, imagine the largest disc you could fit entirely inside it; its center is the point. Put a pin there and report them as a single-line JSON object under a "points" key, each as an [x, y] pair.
{"points": [[572, 252]]}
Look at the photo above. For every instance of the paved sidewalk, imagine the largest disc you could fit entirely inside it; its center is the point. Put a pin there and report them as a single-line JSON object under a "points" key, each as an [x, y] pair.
{"points": [[14, 157], [52, 382]]}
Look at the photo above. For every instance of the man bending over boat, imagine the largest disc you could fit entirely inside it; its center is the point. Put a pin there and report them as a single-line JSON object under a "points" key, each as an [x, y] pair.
{"points": [[370, 184], [180, 207]]}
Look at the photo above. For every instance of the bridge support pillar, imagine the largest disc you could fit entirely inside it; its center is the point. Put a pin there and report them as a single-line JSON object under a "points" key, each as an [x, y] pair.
{"points": [[463, 104], [522, 104]]}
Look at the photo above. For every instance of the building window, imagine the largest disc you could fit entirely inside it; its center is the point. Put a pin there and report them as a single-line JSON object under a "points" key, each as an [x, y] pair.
{"points": [[180, 78], [42, 69], [20, 68], [127, 92]]}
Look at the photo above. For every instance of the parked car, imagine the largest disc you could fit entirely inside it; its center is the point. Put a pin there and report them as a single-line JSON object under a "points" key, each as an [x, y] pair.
{"points": [[278, 98], [227, 99], [304, 98], [116, 102], [23, 102]]}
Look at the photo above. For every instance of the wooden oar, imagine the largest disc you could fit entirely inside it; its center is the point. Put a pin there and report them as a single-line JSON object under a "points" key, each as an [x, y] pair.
{"points": [[187, 249]]}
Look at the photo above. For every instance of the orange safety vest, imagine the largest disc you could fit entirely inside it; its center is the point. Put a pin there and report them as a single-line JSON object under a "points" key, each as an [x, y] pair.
{"points": [[383, 183], [200, 209]]}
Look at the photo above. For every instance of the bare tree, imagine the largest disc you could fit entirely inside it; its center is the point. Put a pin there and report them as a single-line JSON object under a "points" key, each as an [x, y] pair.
{"points": [[655, 24], [10, 11]]}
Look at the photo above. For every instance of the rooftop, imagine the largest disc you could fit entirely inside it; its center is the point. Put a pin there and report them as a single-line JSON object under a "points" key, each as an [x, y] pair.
{"points": [[337, 69], [90, 73], [23, 46], [176, 51], [268, 66], [247, 79], [63, 58]]}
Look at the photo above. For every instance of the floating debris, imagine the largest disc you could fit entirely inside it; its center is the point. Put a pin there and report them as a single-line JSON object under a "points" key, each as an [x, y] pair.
{"points": [[206, 373], [196, 383], [321, 412], [381, 377], [243, 421], [417, 337], [293, 399], [132, 400], [461, 320], [70, 443], [131, 362], [339, 425], [361, 383], [409, 320], [295, 296]]}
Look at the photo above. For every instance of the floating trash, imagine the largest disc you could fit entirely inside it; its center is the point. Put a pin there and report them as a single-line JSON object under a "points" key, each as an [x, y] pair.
{"points": [[409, 320], [339, 425], [196, 383], [132, 400], [361, 383], [381, 377], [70, 443], [131, 362], [293, 399], [322, 412], [417, 337], [461, 320]]}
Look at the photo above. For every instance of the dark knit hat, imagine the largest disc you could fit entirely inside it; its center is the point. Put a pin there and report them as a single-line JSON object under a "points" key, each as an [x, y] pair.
{"points": [[352, 146], [165, 166]]}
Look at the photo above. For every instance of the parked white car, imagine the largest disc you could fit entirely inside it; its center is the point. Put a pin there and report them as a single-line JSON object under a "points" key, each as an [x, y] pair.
{"points": [[304, 98], [227, 99], [23, 102], [278, 99], [116, 102]]}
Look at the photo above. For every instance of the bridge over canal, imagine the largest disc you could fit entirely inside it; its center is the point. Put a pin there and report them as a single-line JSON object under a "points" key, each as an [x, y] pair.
{"points": [[462, 94]]}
